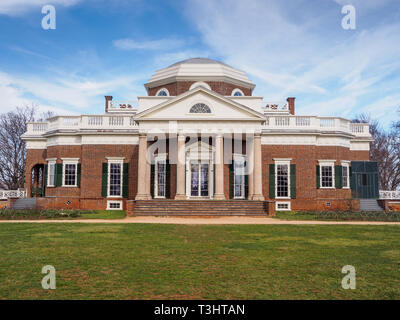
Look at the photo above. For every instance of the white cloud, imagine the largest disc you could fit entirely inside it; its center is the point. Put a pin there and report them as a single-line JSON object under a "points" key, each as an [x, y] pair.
{"points": [[306, 53], [161, 44], [18, 7], [62, 95]]}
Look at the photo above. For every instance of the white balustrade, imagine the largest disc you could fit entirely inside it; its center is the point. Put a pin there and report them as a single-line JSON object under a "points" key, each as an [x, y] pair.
{"points": [[5, 194], [389, 195]]}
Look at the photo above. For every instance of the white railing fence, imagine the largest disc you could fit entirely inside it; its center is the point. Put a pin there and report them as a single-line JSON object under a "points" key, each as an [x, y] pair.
{"points": [[389, 195], [5, 194]]}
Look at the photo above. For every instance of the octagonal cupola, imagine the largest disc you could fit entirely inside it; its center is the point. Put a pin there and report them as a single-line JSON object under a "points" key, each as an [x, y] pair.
{"points": [[191, 73]]}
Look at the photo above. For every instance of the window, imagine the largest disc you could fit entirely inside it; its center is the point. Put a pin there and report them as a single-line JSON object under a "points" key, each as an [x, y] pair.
{"points": [[114, 205], [200, 84], [239, 176], [282, 183], [327, 176], [200, 108], [115, 178], [160, 177], [345, 175], [70, 172], [162, 93], [51, 173], [282, 206], [237, 93]]}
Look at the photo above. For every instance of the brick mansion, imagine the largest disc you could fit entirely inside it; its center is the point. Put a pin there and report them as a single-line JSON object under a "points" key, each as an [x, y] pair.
{"points": [[199, 143]]}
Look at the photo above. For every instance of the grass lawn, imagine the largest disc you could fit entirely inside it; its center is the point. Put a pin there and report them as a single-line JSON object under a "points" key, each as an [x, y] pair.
{"points": [[103, 214], [338, 216], [145, 261]]}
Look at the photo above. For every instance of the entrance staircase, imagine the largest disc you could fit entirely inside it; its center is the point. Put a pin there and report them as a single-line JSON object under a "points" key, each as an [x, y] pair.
{"points": [[25, 204], [200, 208], [369, 205]]}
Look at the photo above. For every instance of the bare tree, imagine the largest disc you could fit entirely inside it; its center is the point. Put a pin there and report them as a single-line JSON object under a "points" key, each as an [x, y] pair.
{"points": [[385, 150], [12, 148]]}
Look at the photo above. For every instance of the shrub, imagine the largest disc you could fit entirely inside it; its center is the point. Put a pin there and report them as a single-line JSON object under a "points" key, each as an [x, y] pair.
{"points": [[41, 214]]}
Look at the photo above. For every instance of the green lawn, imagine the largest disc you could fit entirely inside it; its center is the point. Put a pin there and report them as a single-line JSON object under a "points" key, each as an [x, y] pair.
{"points": [[103, 214], [145, 261], [338, 216]]}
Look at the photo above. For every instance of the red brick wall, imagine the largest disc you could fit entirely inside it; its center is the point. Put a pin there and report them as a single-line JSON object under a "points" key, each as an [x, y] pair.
{"points": [[179, 87], [308, 197], [359, 155]]}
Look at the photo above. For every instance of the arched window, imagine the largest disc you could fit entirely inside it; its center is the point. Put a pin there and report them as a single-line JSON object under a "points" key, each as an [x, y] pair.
{"points": [[237, 93], [200, 108], [162, 92]]}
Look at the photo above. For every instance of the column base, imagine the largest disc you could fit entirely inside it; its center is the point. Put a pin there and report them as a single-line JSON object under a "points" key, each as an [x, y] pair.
{"points": [[180, 197], [258, 197], [143, 197], [219, 196]]}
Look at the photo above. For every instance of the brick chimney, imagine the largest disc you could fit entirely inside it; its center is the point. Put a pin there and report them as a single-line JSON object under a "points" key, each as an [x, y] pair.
{"points": [[108, 98], [291, 105]]}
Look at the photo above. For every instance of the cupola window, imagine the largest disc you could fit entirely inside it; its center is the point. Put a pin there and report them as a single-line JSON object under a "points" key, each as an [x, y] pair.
{"points": [[237, 93], [163, 93]]}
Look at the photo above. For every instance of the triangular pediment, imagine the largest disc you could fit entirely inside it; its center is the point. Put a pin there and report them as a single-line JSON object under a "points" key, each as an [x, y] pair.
{"points": [[221, 108]]}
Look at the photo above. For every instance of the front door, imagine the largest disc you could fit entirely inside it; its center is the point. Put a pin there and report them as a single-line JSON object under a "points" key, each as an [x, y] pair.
{"points": [[199, 178]]}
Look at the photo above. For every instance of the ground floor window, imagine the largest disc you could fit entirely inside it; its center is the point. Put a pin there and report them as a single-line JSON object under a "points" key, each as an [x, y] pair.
{"points": [[70, 173], [345, 175], [327, 176], [114, 205], [51, 174], [282, 176], [115, 178]]}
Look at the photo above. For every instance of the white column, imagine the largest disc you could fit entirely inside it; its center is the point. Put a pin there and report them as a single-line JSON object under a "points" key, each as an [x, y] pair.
{"points": [[257, 169], [143, 193], [180, 169], [219, 168]]}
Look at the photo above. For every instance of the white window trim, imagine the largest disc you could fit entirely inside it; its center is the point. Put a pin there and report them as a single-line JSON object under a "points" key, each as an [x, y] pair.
{"points": [[280, 162], [159, 158], [112, 161], [239, 158], [346, 164], [200, 84], [51, 162], [237, 90], [283, 202], [120, 202], [73, 161], [326, 163], [162, 89]]}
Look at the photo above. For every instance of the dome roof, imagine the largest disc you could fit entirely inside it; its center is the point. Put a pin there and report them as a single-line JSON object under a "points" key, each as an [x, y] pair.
{"points": [[198, 61], [199, 69]]}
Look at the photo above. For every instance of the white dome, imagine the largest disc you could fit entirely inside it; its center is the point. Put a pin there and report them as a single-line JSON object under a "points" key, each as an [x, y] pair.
{"points": [[200, 69]]}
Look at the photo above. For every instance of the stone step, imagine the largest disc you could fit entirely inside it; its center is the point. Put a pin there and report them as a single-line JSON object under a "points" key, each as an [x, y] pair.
{"points": [[203, 208]]}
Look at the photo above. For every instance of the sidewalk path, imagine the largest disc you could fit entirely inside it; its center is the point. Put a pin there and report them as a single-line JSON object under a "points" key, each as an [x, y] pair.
{"points": [[205, 221]]}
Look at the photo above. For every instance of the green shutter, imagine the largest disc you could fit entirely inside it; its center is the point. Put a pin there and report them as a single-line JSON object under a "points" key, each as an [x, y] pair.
{"points": [[167, 180], [59, 174], [231, 180], [45, 177], [214, 177], [318, 178], [152, 173], [293, 181], [125, 181], [104, 180], [338, 177], [78, 175], [272, 181], [352, 179]]}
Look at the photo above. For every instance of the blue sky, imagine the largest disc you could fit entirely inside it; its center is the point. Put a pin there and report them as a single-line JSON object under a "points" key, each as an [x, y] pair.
{"points": [[288, 48]]}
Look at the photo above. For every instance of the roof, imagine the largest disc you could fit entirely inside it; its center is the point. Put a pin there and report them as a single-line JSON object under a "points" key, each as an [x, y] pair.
{"points": [[199, 69], [198, 61]]}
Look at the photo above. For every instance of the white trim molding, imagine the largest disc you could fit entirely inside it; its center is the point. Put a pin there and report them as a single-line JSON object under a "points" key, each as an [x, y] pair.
{"points": [[162, 89]]}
